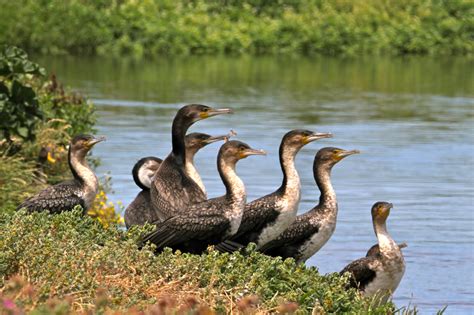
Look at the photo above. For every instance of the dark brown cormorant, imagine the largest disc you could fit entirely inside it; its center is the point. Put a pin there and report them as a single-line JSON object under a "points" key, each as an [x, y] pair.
{"points": [[172, 190], [267, 217], [310, 231], [214, 220], [79, 191], [378, 274], [139, 211]]}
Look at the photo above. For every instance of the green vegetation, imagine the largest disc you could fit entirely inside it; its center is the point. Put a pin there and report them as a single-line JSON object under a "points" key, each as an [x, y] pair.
{"points": [[153, 27], [75, 259]]}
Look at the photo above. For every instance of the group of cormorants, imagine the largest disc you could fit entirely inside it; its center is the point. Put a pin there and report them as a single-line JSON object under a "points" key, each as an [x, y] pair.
{"points": [[174, 199]]}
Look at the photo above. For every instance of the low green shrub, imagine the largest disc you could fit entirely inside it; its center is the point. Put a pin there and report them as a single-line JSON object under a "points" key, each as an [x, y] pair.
{"points": [[71, 255]]}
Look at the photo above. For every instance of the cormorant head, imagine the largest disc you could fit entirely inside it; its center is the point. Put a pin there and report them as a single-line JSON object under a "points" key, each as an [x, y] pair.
{"points": [[196, 141], [144, 170], [330, 156], [196, 112], [81, 144], [381, 211], [235, 150], [297, 138]]}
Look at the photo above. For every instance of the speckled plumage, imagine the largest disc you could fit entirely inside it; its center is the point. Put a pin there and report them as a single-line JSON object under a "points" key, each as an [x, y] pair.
{"points": [[378, 274], [173, 190], [79, 191], [267, 217], [310, 231], [211, 221]]}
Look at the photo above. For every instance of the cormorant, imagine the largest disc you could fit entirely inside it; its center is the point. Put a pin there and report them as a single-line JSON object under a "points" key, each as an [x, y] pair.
{"points": [[172, 190], [310, 231], [214, 220], [79, 191], [267, 217], [139, 211], [378, 275]]}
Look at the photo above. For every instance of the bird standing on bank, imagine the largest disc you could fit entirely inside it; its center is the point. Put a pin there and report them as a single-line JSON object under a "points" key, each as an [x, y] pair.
{"points": [[172, 190], [380, 273], [266, 217], [139, 211], [214, 220], [310, 231], [79, 191]]}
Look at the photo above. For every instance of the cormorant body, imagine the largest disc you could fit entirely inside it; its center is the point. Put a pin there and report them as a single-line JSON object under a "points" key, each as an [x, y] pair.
{"points": [[211, 221], [139, 211], [375, 249], [310, 231], [79, 191], [172, 190], [266, 217], [378, 274]]}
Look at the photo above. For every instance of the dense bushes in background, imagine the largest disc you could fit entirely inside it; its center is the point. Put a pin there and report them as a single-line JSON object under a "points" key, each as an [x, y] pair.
{"points": [[152, 27]]}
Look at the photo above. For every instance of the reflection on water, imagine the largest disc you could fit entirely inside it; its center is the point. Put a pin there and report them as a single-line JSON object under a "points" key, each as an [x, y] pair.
{"points": [[412, 118]]}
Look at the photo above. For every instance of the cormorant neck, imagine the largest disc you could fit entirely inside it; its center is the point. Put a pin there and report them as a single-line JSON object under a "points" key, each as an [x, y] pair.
{"points": [[81, 170], [191, 171], [386, 243], [322, 175], [180, 126], [291, 179], [235, 188]]}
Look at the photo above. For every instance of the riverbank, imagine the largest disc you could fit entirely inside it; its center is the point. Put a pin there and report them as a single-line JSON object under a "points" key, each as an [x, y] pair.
{"points": [[307, 27]]}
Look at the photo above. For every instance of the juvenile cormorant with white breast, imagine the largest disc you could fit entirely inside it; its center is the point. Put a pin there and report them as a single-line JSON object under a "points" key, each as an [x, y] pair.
{"points": [[79, 191], [172, 190], [267, 217], [378, 274], [139, 211], [310, 231], [213, 220]]}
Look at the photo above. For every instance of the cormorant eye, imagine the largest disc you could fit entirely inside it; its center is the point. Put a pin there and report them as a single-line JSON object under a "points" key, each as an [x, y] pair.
{"points": [[205, 109]]}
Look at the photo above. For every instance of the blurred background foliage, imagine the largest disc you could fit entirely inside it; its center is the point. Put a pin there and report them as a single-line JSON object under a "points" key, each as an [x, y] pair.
{"points": [[154, 27]]}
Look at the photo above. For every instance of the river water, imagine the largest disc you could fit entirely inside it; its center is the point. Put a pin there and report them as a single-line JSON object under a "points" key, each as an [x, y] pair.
{"points": [[412, 118]]}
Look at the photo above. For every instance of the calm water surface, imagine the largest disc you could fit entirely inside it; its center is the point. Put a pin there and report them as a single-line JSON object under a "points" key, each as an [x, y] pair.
{"points": [[411, 118]]}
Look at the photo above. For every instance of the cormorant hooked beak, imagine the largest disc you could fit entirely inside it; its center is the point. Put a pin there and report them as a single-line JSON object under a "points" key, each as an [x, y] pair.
{"points": [[218, 138], [317, 136], [96, 140], [345, 153], [214, 112], [249, 152]]}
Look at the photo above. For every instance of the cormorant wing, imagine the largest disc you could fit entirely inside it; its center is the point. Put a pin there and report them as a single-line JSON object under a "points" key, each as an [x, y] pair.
{"points": [[180, 229], [57, 198], [361, 273], [256, 215], [298, 232]]}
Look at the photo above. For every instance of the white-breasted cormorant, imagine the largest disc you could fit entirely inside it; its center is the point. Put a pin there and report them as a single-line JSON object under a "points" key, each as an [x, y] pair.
{"points": [[378, 274], [139, 211], [310, 231], [214, 220], [267, 217], [172, 190], [79, 191]]}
